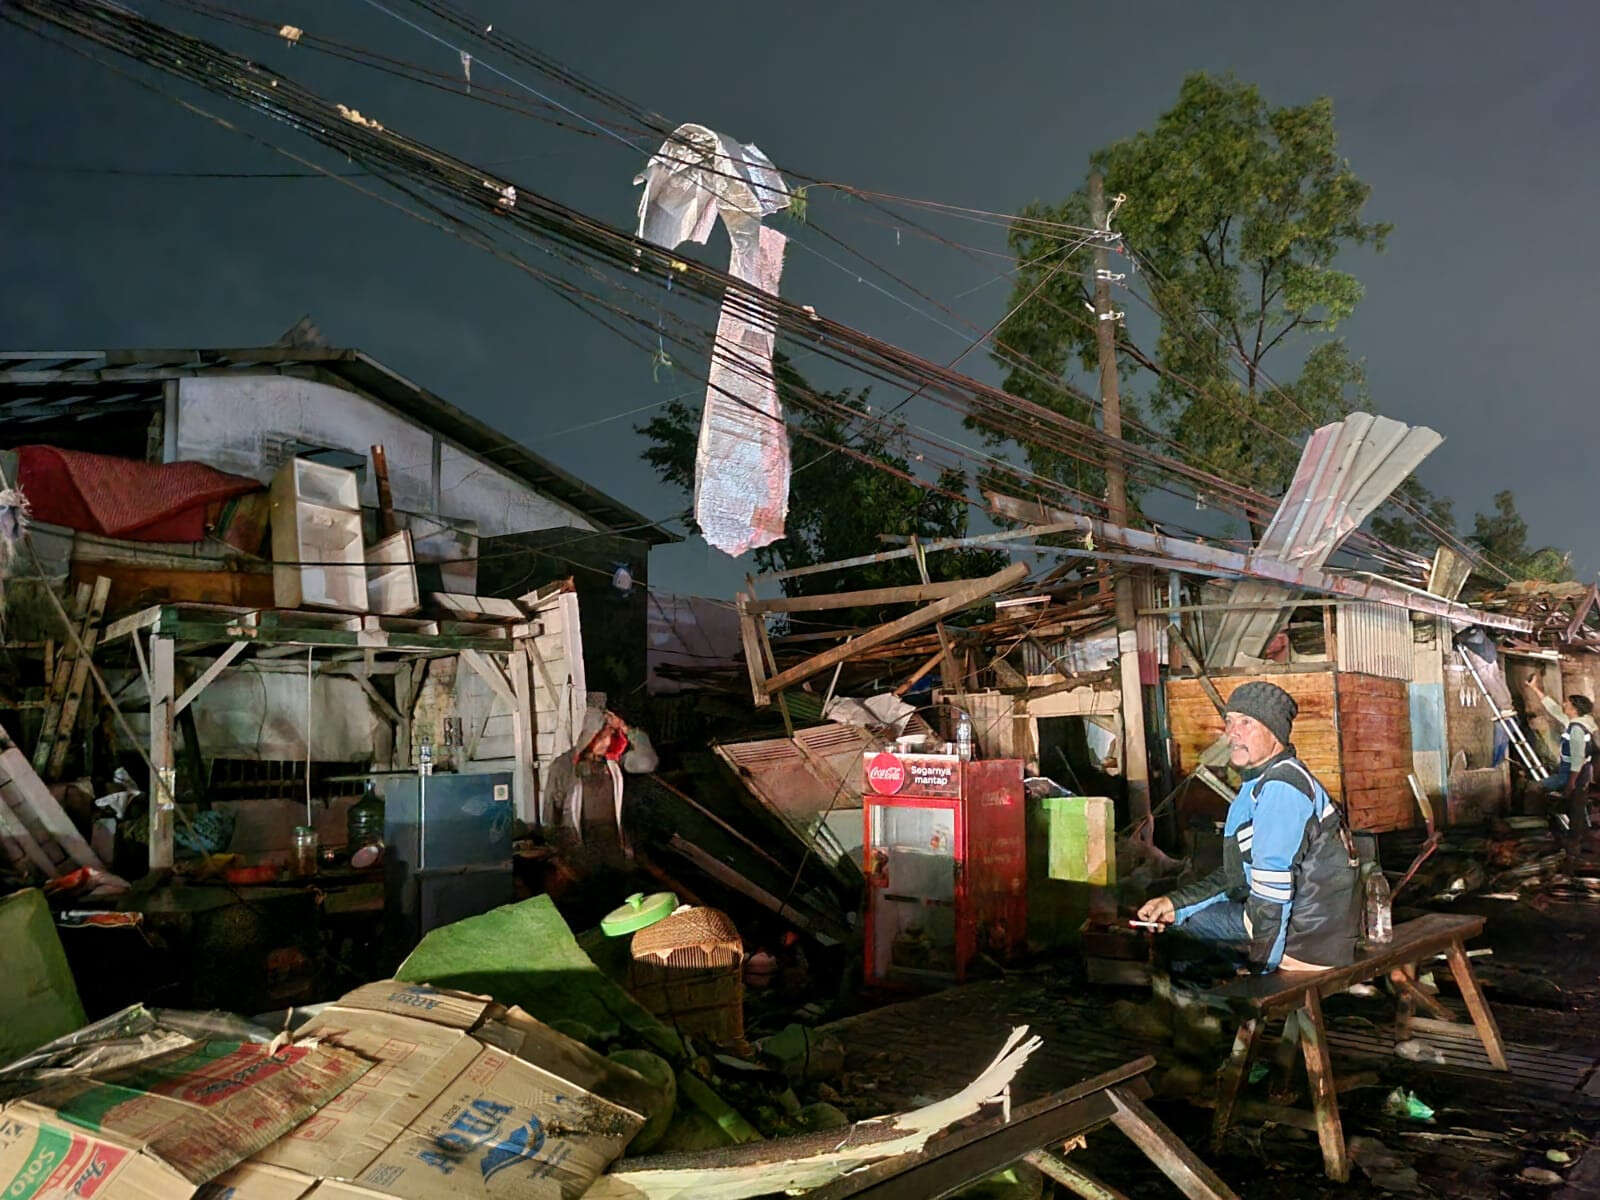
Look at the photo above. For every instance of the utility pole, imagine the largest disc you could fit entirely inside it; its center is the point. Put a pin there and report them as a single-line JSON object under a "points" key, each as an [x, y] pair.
{"points": [[1135, 757]]}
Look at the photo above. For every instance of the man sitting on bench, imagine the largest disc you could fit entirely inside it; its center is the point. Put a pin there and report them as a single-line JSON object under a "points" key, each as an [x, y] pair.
{"points": [[1285, 895]]}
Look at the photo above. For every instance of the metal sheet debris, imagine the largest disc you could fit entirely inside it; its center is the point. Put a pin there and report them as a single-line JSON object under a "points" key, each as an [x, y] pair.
{"points": [[1347, 470]]}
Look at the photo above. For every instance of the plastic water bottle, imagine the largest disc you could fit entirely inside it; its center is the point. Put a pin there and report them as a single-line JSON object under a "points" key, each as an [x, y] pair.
{"points": [[964, 738], [1379, 915]]}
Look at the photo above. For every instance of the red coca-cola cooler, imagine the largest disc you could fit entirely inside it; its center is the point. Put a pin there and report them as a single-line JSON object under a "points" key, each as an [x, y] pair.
{"points": [[946, 865]]}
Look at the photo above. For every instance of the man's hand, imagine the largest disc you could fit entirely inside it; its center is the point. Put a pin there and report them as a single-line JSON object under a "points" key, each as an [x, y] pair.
{"points": [[1158, 910]]}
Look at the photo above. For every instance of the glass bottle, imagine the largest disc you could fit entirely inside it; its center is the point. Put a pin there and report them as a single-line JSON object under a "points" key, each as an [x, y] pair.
{"points": [[304, 862]]}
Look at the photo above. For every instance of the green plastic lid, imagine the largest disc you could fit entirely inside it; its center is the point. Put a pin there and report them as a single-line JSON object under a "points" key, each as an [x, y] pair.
{"points": [[638, 912]]}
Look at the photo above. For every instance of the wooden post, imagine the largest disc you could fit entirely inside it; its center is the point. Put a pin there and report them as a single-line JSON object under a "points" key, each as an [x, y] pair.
{"points": [[1135, 753], [524, 790], [1482, 1018], [380, 478], [1324, 1096], [404, 698], [163, 788], [946, 648]]}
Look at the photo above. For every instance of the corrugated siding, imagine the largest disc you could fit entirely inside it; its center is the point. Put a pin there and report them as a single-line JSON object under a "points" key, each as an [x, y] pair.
{"points": [[1375, 639]]}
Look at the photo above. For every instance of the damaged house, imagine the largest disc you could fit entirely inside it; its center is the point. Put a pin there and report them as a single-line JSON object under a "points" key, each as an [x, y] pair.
{"points": [[180, 497]]}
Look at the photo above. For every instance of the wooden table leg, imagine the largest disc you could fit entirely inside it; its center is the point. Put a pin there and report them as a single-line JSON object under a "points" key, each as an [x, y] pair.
{"points": [[1482, 1018], [1408, 985], [1405, 1003], [1282, 1090], [1166, 1150], [1324, 1097], [1231, 1077]]}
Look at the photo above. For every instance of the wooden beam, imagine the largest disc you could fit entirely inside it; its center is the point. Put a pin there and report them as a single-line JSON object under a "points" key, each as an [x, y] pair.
{"points": [[385, 709], [123, 626], [920, 673], [1257, 567], [524, 781], [491, 674], [1166, 1150], [1075, 1179], [163, 788], [982, 539], [218, 666], [755, 662], [973, 591], [380, 477], [730, 878], [914, 593]]}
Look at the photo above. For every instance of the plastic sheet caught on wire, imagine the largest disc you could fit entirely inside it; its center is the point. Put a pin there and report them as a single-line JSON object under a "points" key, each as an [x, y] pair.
{"points": [[742, 459]]}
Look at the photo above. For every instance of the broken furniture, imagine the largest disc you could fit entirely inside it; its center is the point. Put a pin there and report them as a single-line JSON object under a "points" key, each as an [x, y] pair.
{"points": [[319, 558], [953, 1161], [392, 576], [945, 858], [1298, 996]]}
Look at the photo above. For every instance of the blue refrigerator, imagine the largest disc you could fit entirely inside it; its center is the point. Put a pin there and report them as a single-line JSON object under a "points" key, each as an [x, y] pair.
{"points": [[448, 848]]}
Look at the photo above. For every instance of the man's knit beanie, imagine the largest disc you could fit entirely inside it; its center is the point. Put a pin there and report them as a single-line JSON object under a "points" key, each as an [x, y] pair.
{"points": [[1267, 703]]}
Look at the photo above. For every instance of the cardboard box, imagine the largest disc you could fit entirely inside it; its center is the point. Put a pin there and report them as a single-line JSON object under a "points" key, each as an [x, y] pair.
{"points": [[257, 1181], [158, 1128], [466, 1099]]}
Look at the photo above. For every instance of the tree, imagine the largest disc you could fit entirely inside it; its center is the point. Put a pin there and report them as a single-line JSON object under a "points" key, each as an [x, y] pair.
{"points": [[1503, 538], [1237, 212], [1406, 528], [838, 504]]}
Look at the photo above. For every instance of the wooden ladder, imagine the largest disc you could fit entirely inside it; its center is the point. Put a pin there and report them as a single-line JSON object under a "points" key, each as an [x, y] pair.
{"points": [[69, 679]]}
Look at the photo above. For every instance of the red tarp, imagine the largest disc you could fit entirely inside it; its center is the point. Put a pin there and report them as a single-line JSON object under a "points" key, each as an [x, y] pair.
{"points": [[123, 497]]}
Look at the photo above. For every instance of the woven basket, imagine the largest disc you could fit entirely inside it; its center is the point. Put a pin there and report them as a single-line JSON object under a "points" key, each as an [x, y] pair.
{"points": [[687, 971]]}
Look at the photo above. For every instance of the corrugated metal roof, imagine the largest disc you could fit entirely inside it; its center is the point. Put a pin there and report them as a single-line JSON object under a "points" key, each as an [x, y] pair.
{"points": [[1347, 470], [44, 385]]}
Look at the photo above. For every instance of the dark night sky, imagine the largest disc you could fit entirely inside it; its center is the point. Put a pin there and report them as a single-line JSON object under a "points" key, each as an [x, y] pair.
{"points": [[1474, 123]]}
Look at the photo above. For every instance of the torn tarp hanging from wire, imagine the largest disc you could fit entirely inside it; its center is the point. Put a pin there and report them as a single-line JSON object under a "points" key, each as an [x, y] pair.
{"points": [[741, 492]]}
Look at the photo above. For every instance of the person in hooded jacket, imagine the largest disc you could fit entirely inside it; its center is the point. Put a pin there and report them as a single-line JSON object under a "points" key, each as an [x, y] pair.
{"points": [[1285, 897]]}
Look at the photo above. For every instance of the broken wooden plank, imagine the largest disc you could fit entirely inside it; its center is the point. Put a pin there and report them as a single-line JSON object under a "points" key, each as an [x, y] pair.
{"points": [[972, 592], [27, 795], [1074, 1178], [728, 877]]}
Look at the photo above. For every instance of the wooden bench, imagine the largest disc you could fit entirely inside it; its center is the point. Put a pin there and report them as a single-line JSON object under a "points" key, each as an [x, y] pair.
{"points": [[1297, 997]]}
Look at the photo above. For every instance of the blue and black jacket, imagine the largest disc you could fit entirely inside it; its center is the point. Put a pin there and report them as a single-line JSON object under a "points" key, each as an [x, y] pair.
{"points": [[1286, 860]]}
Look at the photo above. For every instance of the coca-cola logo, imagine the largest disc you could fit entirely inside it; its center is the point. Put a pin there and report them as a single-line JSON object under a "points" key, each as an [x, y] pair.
{"points": [[886, 774]]}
